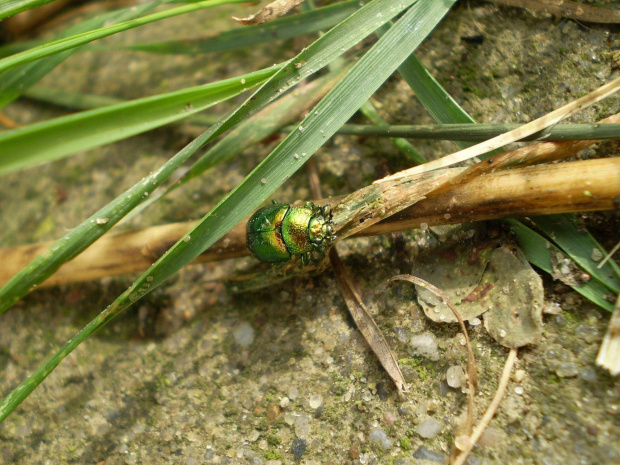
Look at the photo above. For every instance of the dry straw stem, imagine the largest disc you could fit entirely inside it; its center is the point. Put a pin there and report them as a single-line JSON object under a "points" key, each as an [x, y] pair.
{"points": [[609, 353], [515, 135], [468, 443], [536, 190]]}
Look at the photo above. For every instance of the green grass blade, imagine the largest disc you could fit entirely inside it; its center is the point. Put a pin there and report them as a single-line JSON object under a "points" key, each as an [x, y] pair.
{"points": [[565, 231], [223, 217], [370, 112], [68, 43], [279, 29], [538, 251], [15, 81], [53, 139], [312, 59], [12, 7]]}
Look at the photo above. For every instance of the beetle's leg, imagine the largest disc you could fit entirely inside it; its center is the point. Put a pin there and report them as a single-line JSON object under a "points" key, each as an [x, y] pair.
{"points": [[304, 259]]}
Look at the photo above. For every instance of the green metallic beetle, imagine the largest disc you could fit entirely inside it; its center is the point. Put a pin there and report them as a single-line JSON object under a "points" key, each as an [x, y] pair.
{"points": [[277, 232]]}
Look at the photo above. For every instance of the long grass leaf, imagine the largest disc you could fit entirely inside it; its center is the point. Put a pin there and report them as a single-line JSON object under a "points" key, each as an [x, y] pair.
{"points": [[279, 29], [68, 43], [538, 251], [12, 7], [251, 192], [53, 139], [15, 81], [565, 231]]}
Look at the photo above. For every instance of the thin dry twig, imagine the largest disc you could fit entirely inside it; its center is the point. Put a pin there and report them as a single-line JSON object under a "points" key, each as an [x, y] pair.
{"points": [[467, 443], [609, 255], [269, 12], [516, 134], [472, 369], [567, 9]]}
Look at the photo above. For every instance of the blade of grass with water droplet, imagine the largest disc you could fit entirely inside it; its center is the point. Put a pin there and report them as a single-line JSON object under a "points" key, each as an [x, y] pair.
{"points": [[56, 138], [12, 7], [15, 81], [67, 43]]}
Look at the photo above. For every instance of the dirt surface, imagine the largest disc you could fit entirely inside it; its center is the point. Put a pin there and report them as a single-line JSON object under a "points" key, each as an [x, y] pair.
{"points": [[196, 374]]}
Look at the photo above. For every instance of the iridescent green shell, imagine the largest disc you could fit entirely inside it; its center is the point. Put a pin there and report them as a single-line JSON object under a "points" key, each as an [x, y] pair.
{"points": [[279, 231]]}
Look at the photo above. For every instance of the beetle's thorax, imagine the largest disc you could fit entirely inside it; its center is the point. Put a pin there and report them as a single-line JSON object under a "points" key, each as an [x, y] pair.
{"points": [[317, 229]]}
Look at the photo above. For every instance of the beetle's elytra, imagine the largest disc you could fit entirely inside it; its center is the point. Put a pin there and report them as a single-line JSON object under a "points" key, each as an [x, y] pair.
{"points": [[277, 232]]}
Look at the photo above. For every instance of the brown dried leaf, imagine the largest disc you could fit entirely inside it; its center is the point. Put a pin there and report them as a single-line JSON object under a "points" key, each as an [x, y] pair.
{"points": [[457, 269], [515, 306], [365, 323], [269, 12]]}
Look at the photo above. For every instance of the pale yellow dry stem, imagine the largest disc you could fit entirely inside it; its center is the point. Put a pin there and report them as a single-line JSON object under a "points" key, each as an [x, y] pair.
{"points": [[488, 415], [516, 134], [546, 189]]}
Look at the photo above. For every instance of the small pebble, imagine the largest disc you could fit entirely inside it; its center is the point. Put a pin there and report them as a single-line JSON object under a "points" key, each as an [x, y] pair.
{"points": [[552, 308], [587, 333], [589, 374], [475, 321], [244, 334], [491, 437], [315, 401], [298, 448], [285, 402], [455, 376], [429, 428], [378, 435], [519, 390], [390, 418], [518, 376], [566, 370], [424, 454], [425, 345]]}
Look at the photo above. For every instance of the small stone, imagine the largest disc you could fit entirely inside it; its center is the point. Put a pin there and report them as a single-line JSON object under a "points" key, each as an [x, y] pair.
{"points": [[589, 374], [390, 418], [244, 334], [491, 437], [518, 376], [424, 454], [552, 308], [425, 345], [254, 435], [519, 390], [378, 435], [455, 376], [475, 321], [298, 448], [354, 451], [587, 333], [429, 428], [302, 426], [293, 393], [315, 401], [566, 370], [285, 402]]}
